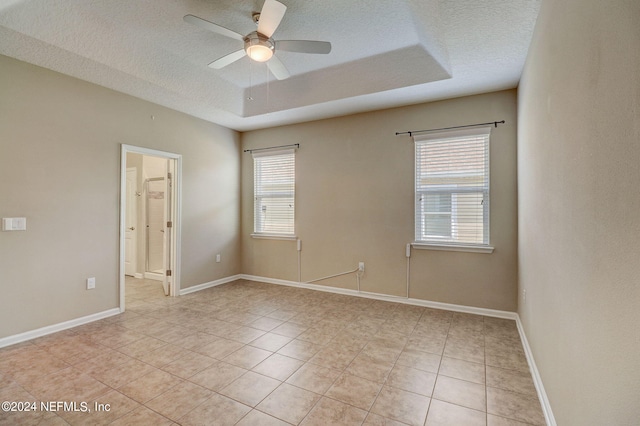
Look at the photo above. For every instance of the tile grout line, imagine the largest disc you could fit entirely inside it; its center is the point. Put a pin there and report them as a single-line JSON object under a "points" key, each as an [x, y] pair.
{"points": [[486, 384]]}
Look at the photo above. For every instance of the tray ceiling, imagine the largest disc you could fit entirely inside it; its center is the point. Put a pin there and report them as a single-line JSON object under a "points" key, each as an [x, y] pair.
{"points": [[384, 54]]}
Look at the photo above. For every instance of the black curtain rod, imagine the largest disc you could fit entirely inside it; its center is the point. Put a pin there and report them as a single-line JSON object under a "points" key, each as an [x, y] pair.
{"points": [[297, 145], [411, 132]]}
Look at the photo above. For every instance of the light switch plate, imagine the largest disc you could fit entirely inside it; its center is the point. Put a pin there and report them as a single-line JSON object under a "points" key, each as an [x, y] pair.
{"points": [[14, 223]]}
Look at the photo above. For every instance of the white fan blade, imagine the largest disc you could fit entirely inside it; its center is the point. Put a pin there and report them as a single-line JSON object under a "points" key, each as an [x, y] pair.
{"points": [[277, 68], [304, 46], [202, 23], [270, 17], [227, 59]]}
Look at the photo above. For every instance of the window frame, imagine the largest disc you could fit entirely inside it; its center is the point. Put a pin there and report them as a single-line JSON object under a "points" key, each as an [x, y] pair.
{"points": [[258, 195], [421, 239]]}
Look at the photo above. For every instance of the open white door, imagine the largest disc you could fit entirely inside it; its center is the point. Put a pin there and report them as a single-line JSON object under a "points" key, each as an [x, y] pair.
{"points": [[131, 217], [168, 230]]}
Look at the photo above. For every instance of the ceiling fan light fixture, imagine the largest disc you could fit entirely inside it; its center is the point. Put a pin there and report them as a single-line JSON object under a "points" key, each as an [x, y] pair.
{"points": [[258, 47]]}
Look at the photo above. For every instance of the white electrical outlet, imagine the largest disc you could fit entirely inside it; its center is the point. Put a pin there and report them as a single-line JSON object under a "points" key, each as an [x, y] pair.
{"points": [[361, 266], [91, 283], [217, 258], [524, 295]]}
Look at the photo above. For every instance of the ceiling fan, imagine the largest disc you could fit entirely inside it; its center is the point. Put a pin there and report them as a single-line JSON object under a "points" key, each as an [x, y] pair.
{"points": [[258, 45]]}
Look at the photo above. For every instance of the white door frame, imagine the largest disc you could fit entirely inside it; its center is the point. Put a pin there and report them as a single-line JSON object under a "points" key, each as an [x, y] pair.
{"points": [[176, 229]]}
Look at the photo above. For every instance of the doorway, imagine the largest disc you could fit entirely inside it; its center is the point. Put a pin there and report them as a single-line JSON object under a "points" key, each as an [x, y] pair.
{"points": [[150, 219]]}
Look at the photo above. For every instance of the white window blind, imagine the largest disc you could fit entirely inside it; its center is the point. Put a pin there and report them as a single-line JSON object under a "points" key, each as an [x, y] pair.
{"points": [[274, 192], [452, 187]]}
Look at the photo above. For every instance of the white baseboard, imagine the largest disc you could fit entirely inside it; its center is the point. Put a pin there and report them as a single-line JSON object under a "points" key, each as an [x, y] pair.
{"points": [[28, 335], [32, 334], [210, 284], [535, 375], [386, 297], [138, 275], [546, 406], [153, 276]]}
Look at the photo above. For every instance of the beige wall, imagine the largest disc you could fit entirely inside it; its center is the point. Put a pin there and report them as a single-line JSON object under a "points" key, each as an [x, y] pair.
{"points": [[579, 198], [60, 167], [354, 202]]}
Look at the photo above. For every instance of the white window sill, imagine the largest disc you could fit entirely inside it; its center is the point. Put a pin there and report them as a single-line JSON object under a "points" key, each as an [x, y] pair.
{"points": [[274, 237], [451, 247]]}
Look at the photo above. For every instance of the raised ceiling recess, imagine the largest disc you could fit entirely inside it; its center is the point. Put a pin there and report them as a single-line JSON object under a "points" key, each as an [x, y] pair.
{"points": [[369, 55]]}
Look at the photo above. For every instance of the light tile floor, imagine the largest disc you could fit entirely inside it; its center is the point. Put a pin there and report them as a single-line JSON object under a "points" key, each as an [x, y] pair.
{"points": [[249, 353]]}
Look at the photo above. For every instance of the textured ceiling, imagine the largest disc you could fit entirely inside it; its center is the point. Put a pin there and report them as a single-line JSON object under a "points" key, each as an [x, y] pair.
{"points": [[384, 53]]}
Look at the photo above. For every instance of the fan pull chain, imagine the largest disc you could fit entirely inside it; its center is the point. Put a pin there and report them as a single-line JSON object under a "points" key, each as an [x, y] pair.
{"points": [[267, 68]]}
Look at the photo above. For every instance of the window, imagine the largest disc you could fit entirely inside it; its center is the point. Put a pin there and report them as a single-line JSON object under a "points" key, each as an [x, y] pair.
{"points": [[452, 188], [274, 193]]}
